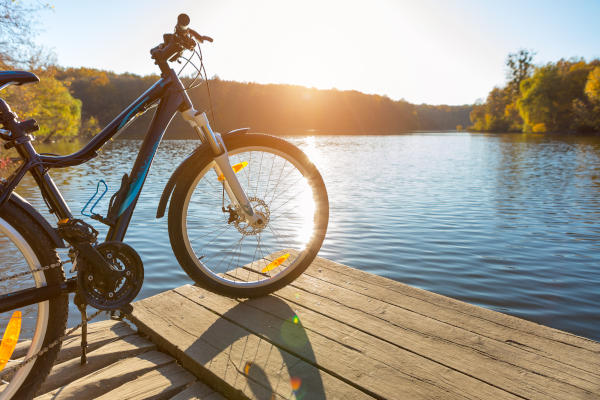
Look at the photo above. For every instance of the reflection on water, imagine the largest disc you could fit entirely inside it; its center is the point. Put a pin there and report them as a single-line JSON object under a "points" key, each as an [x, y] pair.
{"points": [[508, 222]]}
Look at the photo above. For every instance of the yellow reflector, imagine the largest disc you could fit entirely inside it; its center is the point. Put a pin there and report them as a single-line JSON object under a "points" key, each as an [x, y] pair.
{"points": [[276, 263], [238, 167], [10, 338]]}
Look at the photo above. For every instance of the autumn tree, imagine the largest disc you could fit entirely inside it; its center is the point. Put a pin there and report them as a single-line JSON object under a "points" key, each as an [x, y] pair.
{"points": [[587, 110], [500, 112]]}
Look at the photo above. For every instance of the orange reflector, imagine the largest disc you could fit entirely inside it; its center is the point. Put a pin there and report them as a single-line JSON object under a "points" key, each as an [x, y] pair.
{"points": [[238, 167], [10, 338], [276, 263], [63, 221]]}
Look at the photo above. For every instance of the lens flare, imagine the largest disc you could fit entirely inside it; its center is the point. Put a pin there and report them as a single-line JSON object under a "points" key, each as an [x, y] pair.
{"points": [[10, 338], [247, 367], [276, 263], [295, 319]]}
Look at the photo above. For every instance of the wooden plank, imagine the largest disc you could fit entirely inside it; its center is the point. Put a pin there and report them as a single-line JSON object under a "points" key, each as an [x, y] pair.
{"points": [[99, 333], [578, 361], [102, 381], [380, 367], [464, 351], [198, 391], [71, 370], [161, 383], [228, 357], [433, 304], [462, 338]]}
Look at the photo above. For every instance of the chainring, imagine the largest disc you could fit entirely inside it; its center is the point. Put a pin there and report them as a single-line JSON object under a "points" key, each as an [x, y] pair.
{"points": [[114, 287]]}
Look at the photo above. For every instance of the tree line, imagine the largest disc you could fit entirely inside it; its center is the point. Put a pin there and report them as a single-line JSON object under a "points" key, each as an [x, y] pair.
{"points": [[79, 101], [560, 97], [72, 102]]}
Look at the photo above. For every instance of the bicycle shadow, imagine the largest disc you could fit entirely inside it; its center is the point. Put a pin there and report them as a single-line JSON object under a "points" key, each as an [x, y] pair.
{"points": [[267, 375]]}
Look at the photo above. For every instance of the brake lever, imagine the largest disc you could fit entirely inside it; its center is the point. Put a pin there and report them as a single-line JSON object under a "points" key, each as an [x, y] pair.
{"points": [[176, 56], [199, 37]]}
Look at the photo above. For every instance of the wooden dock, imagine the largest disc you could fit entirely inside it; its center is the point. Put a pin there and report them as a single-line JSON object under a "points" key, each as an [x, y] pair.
{"points": [[335, 333]]}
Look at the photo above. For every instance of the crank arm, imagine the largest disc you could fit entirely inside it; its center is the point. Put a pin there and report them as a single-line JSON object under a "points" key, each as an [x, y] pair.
{"points": [[27, 297], [91, 255]]}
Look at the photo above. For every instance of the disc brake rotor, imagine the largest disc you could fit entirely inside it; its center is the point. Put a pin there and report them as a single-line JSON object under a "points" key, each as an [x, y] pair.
{"points": [[261, 209]]}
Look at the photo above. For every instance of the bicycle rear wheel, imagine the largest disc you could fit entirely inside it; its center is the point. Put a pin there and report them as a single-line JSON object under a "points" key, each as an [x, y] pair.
{"points": [[25, 247], [224, 254]]}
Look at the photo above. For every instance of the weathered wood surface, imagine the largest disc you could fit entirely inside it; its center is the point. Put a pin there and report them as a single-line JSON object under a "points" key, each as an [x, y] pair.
{"points": [[121, 365], [337, 332]]}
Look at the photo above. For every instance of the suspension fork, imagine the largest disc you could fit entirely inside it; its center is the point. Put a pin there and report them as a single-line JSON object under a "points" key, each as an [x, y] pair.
{"points": [[222, 168]]}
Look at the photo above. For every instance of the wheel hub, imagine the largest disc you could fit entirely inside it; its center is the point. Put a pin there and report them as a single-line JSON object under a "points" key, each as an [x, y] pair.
{"points": [[262, 213]]}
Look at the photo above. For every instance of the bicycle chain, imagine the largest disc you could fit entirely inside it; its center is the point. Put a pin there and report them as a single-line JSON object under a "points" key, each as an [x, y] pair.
{"points": [[59, 340], [44, 268], [45, 349]]}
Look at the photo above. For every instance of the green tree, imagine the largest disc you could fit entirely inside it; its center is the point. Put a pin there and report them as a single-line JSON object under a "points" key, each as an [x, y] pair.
{"points": [[550, 98], [520, 67], [500, 113], [58, 113]]}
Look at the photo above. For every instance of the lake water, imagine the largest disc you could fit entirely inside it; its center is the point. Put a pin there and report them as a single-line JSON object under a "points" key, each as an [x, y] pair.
{"points": [[507, 222]]}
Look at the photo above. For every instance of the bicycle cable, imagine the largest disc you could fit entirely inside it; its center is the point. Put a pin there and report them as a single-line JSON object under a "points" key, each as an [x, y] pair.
{"points": [[199, 74]]}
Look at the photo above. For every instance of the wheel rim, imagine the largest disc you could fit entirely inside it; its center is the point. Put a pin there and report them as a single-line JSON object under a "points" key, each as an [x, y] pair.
{"points": [[288, 235], [43, 309]]}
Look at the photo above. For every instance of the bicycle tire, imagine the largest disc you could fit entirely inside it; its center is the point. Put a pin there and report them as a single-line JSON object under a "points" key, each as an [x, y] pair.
{"points": [[18, 229], [292, 235]]}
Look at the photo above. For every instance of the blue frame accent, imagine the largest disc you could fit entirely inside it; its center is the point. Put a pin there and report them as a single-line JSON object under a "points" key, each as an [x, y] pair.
{"points": [[136, 185]]}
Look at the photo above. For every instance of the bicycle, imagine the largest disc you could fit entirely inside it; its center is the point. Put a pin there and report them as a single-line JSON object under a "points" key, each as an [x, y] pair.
{"points": [[247, 215]]}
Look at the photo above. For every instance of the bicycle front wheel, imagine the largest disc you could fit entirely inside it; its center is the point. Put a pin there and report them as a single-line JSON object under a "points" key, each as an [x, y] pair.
{"points": [[224, 254], [24, 247]]}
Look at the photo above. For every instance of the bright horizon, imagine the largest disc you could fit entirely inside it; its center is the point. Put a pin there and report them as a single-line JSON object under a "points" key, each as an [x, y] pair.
{"points": [[424, 52]]}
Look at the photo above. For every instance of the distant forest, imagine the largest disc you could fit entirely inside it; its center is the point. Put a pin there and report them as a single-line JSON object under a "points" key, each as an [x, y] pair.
{"points": [[275, 109]]}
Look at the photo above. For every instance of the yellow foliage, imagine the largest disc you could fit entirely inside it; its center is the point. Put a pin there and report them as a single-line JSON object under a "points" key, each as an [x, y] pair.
{"points": [[539, 128], [592, 86]]}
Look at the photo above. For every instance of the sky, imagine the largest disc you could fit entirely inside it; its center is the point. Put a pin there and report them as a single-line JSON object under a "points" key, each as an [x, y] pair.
{"points": [[423, 51]]}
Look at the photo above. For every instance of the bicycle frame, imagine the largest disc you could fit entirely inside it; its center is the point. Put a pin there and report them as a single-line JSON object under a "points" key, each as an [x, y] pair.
{"points": [[170, 94]]}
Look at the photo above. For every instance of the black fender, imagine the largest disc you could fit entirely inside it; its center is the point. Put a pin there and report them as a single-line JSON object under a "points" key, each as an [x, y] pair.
{"points": [[17, 201], [185, 164]]}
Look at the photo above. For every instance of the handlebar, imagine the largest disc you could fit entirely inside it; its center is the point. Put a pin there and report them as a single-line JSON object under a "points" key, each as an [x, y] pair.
{"points": [[175, 43]]}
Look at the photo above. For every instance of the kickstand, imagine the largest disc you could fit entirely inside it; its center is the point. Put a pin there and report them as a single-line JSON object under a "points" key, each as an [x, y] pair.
{"points": [[82, 306]]}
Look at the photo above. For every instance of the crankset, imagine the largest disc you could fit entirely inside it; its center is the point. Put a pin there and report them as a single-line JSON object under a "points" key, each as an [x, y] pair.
{"points": [[117, 284]]}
